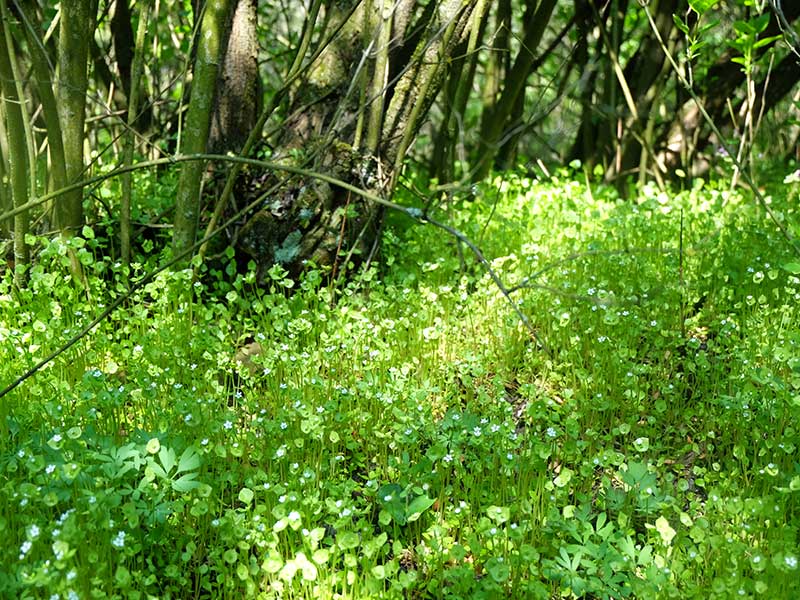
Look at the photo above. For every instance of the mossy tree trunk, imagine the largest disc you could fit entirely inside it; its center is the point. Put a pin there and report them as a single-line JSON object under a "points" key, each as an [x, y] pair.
{"points": [[18, 160], [42, 78], [302, 219], [211, 41], [75, 34], [133, 92]]}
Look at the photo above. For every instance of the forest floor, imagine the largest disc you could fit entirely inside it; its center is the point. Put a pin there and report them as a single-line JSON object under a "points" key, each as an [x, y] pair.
{"points": [[404, 434]]}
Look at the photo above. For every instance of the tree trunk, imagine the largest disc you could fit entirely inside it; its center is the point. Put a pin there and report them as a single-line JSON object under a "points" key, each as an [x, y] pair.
{"points": [[644, 72], [124, 52], [17, 150], [453, 127], [303, 219], [135, 74], [75, 33], [582, 146], [236, 110], [198, 122], [42, 78]]}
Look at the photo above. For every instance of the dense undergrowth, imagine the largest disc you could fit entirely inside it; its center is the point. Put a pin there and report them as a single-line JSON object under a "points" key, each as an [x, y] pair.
{"points": [[403, 436]]}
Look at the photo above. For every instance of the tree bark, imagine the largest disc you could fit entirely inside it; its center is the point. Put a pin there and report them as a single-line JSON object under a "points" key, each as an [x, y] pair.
{"points": [[17, 151], [75, 32], [198, 122], [125, 50], [643, 73], [236, 110], [42, 78], [303, 219]]}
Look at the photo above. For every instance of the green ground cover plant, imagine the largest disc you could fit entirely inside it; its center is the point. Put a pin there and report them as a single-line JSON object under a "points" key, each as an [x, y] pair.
{"points": [[402, 435]]}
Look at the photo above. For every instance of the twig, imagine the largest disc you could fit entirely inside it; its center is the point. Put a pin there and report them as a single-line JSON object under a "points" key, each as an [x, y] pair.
{"points": [[527, 281], [788, 31], [417, 214]]}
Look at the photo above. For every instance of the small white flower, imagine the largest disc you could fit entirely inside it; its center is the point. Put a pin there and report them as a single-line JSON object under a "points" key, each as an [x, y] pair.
{"points": [[791, 561], [33, 532], [551, 432], [25, 548], [119, 540], [227, 425], [58, 552], [294, 516], [284, 425]]}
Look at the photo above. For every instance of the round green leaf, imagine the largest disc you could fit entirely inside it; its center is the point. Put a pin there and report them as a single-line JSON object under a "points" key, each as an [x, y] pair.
{"points": [[246, 495]]}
